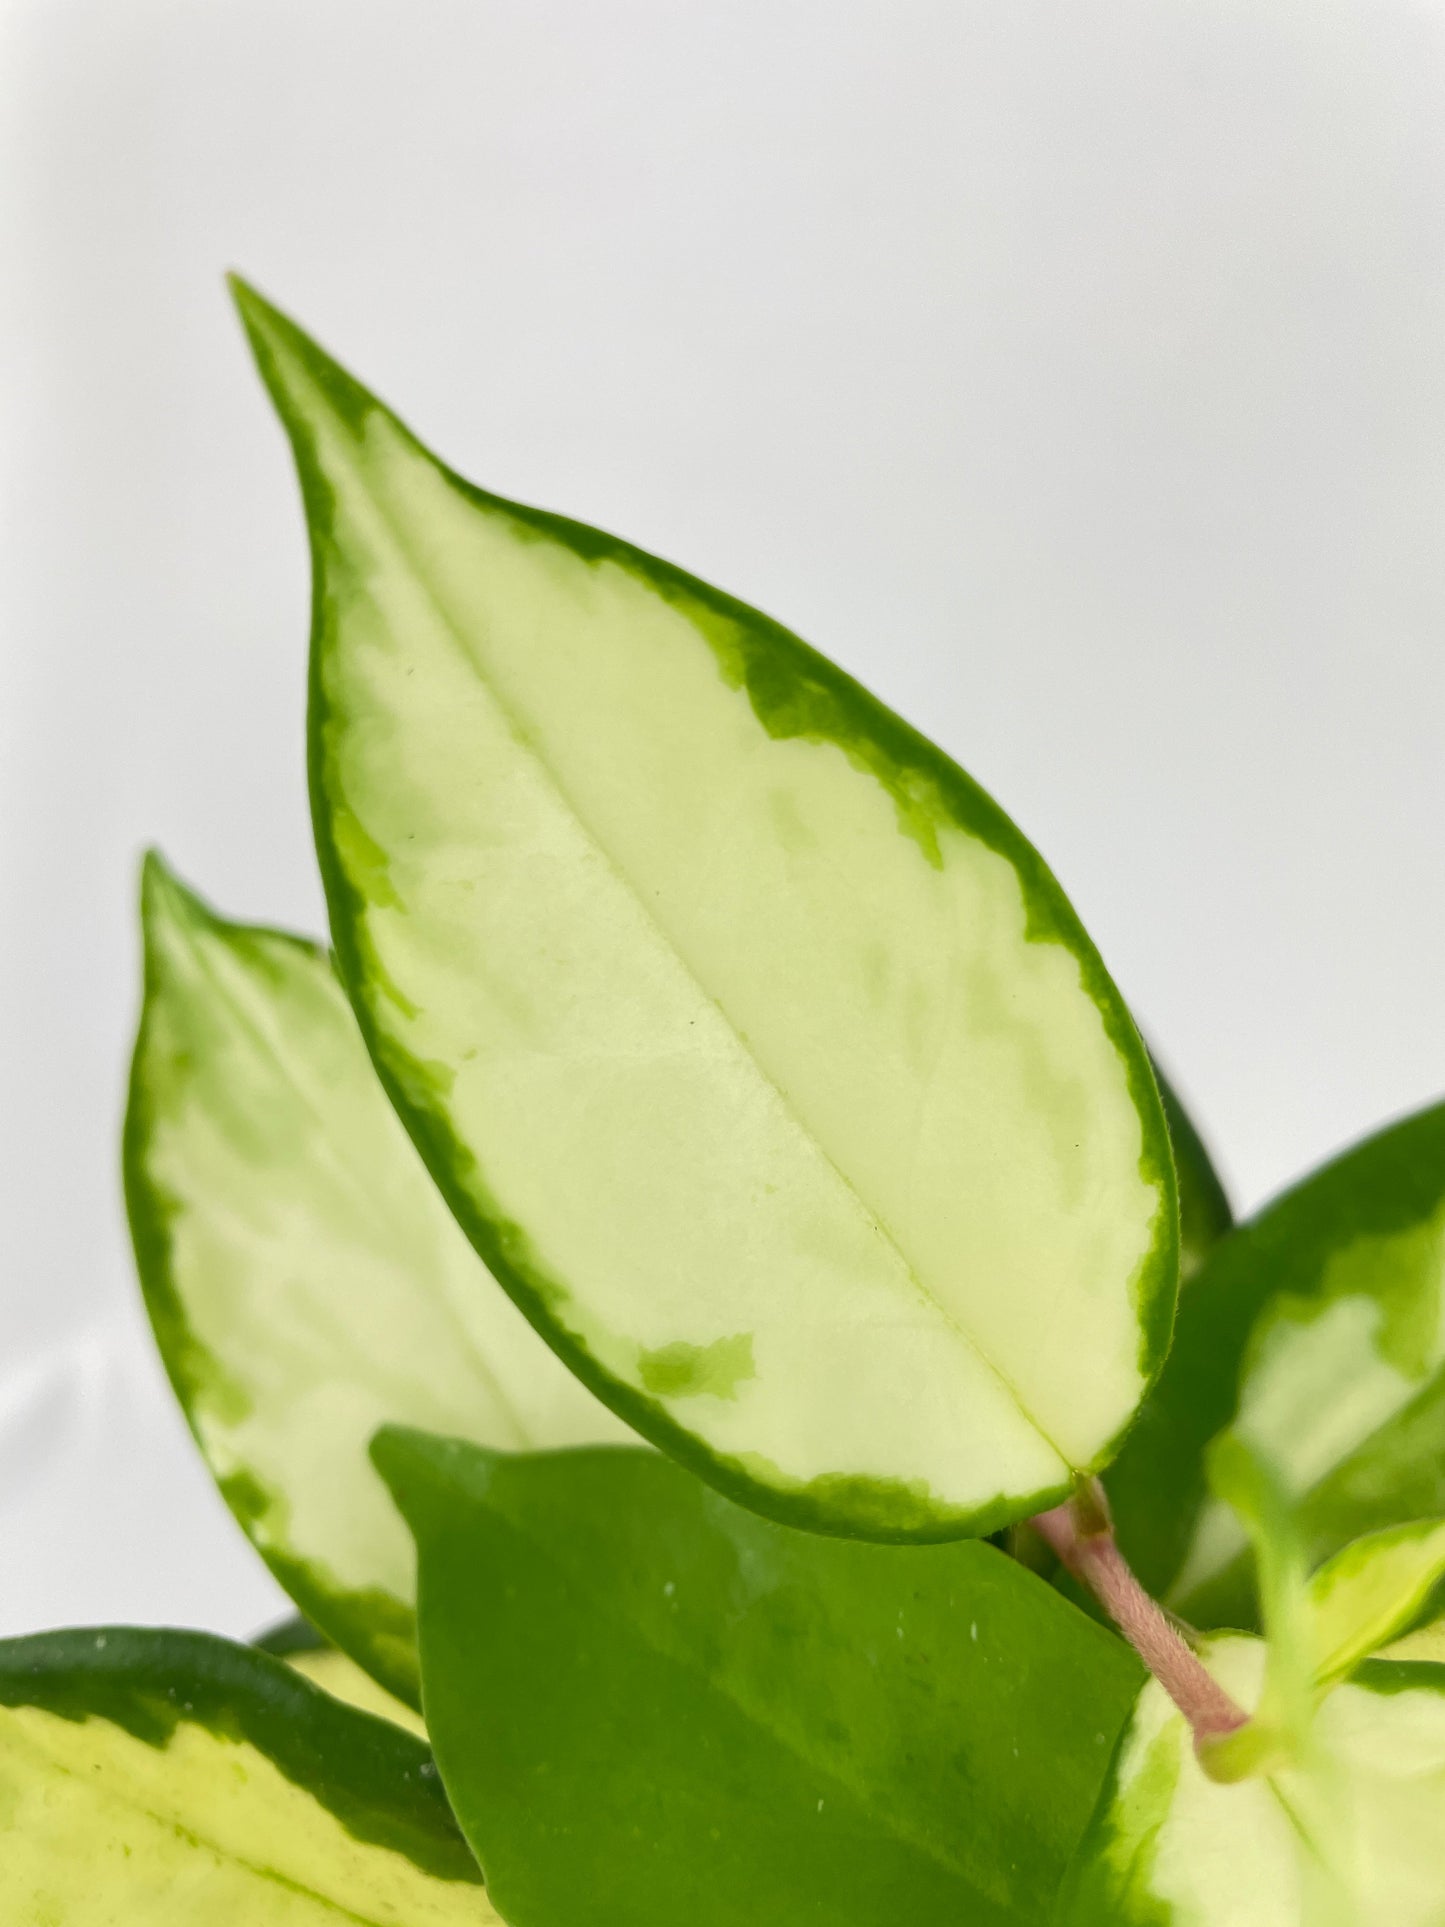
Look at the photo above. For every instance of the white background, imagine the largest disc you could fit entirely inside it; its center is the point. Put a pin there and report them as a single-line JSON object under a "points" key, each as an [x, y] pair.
{"points": [[1074, 373]]}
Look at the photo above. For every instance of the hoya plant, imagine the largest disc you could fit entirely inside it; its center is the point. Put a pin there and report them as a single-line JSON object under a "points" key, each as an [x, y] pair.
{"points": [[682, 1295]]}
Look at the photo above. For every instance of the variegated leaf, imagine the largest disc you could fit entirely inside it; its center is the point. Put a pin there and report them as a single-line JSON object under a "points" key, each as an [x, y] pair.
{"points": [[305, 1282], [753, 1046], [181, 1781]]}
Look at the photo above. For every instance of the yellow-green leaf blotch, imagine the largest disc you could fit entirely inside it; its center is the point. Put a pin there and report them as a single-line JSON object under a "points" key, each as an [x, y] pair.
{"points": [[181, 1781]]}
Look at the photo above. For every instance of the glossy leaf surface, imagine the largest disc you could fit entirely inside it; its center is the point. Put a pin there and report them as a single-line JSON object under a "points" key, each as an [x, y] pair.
{"points": [[305, 1282], [178, 1780], [1330, 1305], [1171, 1848], [752, 1045], [650, 1704]]}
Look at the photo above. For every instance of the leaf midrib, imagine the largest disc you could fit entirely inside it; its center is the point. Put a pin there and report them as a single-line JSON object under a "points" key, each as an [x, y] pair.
{"points": [[525, 742]]}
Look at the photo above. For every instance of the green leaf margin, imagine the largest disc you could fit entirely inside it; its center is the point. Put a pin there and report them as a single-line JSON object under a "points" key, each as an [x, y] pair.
{"points": [[794, 692], [380, 1783]]}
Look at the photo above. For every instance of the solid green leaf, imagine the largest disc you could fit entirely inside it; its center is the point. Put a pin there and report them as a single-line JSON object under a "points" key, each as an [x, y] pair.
{"points": [[753, 1046], [291, 1638], [182, 1781], [305, 1282], [649, 1704], [1330, 1303], [1205, 1215], [1362, 1840]]}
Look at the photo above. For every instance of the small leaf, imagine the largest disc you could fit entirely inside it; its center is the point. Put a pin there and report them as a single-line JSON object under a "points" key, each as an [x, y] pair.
{"points": [[1249, 1482], [1426, 1642], [1204, 1210], [304, 1280], [650, 1705], [1171, 1848], [1331, 1302], [1320, 1628], [753, 1046], [160, 1776], [1371, 1591]]}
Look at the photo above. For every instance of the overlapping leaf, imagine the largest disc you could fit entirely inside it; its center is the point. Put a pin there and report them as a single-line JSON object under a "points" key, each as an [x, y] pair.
{"points": [[1365, 1845], [1330, 1306], [178, 1780], [649, 1704], [316, 1659], [752, 1045], [1327, 1809], [1205, 1215], [1371, 1590], [305, 1282]]}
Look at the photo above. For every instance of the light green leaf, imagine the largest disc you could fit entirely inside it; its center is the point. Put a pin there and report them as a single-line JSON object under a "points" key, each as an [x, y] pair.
{"points": [[344, 1680], [1170, 1847], [305, 1281], [1426, 1642], [1204, 1209], [752, 1045], [177, 1780], [1331, 1303], [1371, 1591], [651, 1705], [316, 1659], [1318, 1628]]}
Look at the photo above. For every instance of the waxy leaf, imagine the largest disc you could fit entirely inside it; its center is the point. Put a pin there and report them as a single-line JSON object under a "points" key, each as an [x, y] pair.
{"points": [[755, 1049], [650, 1705], [1205, 1215], [181, 1781], [1330, 1305], [1363, 1843], [305, 1282]]}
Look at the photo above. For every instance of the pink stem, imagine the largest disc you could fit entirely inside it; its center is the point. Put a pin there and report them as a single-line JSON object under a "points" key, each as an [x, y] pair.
{"points": [[1083, 1537]]}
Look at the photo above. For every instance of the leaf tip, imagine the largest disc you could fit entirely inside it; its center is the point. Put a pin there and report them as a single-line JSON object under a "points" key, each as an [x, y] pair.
{"points": [[403, 1457], [259, 317], [421, 1469], [304, 382], [165, 900]]}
